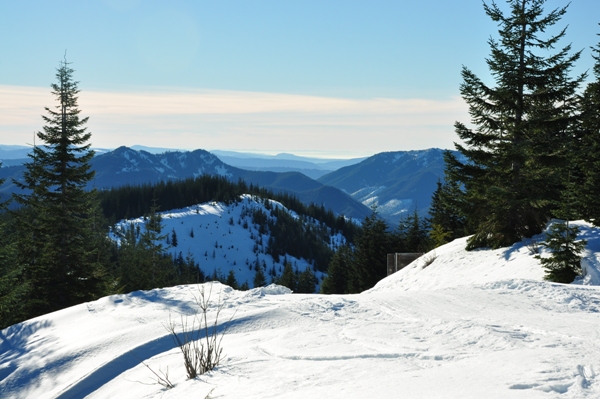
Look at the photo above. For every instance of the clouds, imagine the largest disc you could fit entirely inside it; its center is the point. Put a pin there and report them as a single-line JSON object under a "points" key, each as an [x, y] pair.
{"points": [[239, 120]]}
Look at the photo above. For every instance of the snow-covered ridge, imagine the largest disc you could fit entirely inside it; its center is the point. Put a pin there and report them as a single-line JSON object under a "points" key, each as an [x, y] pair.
{"points": [[224, 237], [444, 267], [479, 324]]}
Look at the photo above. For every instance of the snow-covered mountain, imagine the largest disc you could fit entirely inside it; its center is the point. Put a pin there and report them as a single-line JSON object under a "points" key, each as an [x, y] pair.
{"points": [[125, 166], [453, 324], [397, 182], [223, 238]]}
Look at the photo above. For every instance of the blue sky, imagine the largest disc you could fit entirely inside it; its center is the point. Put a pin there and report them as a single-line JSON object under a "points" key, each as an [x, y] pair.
{"points": [[331, 78]]}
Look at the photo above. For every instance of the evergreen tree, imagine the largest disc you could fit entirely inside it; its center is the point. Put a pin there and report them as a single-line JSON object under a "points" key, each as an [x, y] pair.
{"points": [[336, 281], [446, 216], [589, 151], [288, 278], [13, 288], [56, 230], [370, 257], [259, 278], [173, 238], [231, 280], [514, 156], [307, 282], [413, 234], [143, 259], [564, 264]]}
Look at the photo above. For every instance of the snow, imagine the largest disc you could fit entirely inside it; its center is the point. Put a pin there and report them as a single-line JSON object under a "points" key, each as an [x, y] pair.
{"points": [[453, 324], [220, 242]]}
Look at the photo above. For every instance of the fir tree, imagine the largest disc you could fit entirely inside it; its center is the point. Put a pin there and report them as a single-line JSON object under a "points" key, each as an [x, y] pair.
{"points": [[336, 281], [514, 156], [56, 229], [307, 282], [413, 234], [446, 215], [564, 264], [589, 151], [13, 287], [370, 257], [259, 278], [174, 241], [231, 280], [288, 278]]}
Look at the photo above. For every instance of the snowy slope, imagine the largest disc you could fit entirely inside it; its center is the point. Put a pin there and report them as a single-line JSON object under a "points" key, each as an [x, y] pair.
{"points": [[224, 237], [479, 324]]}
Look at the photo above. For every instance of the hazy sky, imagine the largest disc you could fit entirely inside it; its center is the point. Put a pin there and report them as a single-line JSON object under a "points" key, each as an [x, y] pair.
{"points": [[335, 78]]}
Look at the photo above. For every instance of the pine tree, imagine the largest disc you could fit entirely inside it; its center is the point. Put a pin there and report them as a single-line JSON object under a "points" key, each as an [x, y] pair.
{"points": [[413, 234], [307, 282], [259, 278], [564, 264], [288, 278], [231, 280], [370, 257], [336, 281], [514, 156], [13, 288], [174, 241], [446, 215], [589, 151], [56, 228]]}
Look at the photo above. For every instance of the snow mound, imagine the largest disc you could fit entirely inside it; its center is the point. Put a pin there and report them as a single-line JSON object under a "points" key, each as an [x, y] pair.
{"points": [[451, 265], [272, 289]]}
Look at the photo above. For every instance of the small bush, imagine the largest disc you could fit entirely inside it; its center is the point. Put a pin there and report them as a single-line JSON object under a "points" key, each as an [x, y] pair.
{"points": [[200, 343]]}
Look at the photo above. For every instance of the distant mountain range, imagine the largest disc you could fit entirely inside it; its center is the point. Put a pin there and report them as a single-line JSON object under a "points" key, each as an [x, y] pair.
{"points": [[125, 166], [311, 167], [397, 182]]}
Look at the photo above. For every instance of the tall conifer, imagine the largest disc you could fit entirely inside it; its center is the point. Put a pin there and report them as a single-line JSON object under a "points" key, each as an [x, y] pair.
{"points": [[56, 225], [589, 151], [515, 153]]}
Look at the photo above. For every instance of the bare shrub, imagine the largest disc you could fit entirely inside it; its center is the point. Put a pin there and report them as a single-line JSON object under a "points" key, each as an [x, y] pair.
{"points": [[533, 245], [200, 343], [160, 379], [428, 259]]}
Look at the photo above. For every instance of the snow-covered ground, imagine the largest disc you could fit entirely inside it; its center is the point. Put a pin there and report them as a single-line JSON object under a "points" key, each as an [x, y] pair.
{"points": [[480, 324]]}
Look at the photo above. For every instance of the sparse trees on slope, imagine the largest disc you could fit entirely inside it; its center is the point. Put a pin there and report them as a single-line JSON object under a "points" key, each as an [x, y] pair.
{"points": [[515, 154]]}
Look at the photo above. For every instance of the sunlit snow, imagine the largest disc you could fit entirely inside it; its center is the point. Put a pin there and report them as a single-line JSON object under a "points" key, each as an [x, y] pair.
{"points": [[453, 324]]}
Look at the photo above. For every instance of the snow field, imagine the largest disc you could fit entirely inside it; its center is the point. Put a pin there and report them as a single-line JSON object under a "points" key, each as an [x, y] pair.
{"points": [[479, 324]]}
